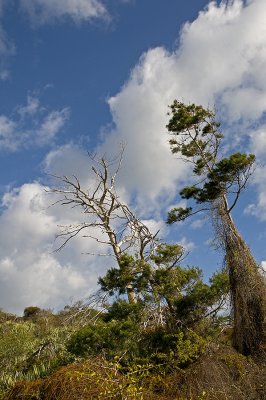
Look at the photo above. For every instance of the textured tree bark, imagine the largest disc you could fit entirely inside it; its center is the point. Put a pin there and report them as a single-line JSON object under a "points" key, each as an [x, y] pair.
{"points": [[248, 288], [131, 295]]}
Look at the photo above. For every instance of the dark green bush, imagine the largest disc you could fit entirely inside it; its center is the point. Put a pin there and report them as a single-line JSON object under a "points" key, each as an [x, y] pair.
{"points": [[112, 338]]}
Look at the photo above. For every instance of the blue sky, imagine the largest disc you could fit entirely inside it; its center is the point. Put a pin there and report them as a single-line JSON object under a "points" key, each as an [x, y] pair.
{"points": [[86, 75]]}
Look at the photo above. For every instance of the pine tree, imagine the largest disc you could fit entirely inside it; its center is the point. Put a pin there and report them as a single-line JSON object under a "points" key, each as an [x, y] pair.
{"points": [[196, 137]]}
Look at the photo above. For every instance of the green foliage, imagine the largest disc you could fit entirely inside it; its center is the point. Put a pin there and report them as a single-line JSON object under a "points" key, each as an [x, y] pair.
{"points": [[185, 117], [4, 316], [219, 180], [178, 214], [229, 170], [173, 350], [173, 293], [25, 354], [113, 338], [236, 363], [121, 310], [148, 332], [131, 271], [195, 134], [31, 311], [17, 341], [167, 255], [196, 137], [189, 346], [172, 284], [200, 298], [137, 361]]}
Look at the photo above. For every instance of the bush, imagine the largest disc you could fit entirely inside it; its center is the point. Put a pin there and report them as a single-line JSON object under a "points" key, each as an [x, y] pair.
{"points": [[112, 339], [173, 349], [31, 311]]}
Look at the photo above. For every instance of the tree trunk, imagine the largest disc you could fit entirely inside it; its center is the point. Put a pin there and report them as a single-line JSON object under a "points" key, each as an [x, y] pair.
{"points": [[131, 295], [247, 285]]}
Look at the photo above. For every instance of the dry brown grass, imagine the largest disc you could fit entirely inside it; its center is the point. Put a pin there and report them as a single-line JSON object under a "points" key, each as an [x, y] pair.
{"points": [[226, 375], [220, 374], [90, 380]]}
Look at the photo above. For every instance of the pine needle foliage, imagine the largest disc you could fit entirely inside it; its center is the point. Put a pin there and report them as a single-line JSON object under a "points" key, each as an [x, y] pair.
{"points": [[196, 137]]}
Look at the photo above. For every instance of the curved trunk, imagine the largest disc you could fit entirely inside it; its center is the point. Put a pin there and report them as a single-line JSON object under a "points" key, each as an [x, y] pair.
{"points": [[247, 285]]}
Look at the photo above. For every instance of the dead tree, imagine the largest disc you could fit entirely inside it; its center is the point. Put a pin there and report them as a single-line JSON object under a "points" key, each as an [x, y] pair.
{"points": [[107, 220]]}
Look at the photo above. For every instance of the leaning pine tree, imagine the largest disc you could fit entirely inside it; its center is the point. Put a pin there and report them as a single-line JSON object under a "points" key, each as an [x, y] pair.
{"points": [[196, 137]]}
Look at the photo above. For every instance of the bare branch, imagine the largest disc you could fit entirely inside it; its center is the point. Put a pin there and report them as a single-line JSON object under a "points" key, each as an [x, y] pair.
{"points": [[104, 212]]}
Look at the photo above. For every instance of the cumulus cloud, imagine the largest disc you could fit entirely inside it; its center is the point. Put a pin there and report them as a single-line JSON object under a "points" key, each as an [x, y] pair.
{"points": [[258, 141], [139, 112], [69, 160], [31, 273], [31, 125], [258, 147], [187, 244], [7, 128], [219, 61], [258, 209], [226, 46], [51, 125], [46, 11]]}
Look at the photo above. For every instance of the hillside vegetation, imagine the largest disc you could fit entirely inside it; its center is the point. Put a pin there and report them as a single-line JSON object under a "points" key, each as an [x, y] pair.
{"points": [[123, 353]]}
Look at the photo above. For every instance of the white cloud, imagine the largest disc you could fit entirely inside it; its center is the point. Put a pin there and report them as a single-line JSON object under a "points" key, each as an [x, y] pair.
{"points": [[258, 147], [31, 125], [258, 141], [32, 106], [46, 11], [187, 244], [139, 112], [258, 209], [7, 129], [51, 125], [69, 160], [30, 272], [220, 60], [226, 46], [157, 227], [197, 224]]}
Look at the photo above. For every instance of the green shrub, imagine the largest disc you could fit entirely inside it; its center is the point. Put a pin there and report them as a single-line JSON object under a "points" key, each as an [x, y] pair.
{"points": [[31, 311], [109, 338], [174, 349]]}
